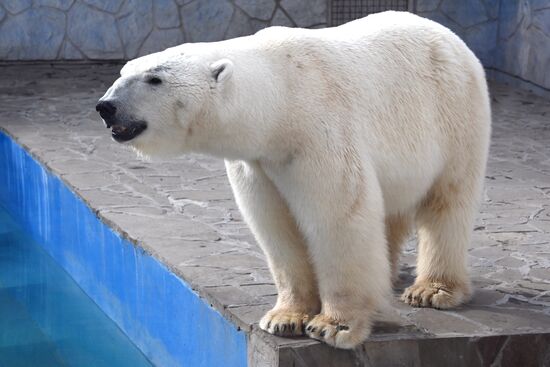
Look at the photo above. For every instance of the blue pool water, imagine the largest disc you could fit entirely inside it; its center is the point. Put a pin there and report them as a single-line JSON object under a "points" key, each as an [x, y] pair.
{"points": [[155, 308], [45, 318]]}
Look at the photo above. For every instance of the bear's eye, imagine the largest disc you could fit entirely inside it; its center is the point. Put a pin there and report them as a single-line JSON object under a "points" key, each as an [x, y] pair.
{"points": [[154, 80]]}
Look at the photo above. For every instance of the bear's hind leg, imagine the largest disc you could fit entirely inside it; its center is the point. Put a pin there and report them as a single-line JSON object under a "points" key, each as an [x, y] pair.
{"points": [[277, 234], [444, 223]]}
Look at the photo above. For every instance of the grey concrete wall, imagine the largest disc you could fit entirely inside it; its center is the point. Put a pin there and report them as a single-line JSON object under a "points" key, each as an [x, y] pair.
{"points": [[124, 29], [523, 45], [511, 37], [475, 21]]}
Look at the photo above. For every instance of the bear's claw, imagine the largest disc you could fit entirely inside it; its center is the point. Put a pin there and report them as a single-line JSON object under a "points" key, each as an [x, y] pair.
{"points": [[284, 323], [336, 333], [437, 295]]}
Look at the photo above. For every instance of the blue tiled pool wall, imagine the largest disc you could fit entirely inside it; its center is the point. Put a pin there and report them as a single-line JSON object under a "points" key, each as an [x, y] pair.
{"points": [[511, 37], [155, 308]]}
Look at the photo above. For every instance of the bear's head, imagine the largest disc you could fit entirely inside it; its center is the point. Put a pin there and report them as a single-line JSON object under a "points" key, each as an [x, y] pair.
{"points": [[162, 102]]}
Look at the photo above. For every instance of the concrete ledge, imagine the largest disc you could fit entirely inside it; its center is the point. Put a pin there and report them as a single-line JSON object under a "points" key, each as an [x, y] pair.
{"points": [[181, 213], [499, 350]]}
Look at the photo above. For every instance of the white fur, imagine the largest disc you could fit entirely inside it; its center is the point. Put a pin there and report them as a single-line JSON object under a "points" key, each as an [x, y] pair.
{"points": [[328, 135]]}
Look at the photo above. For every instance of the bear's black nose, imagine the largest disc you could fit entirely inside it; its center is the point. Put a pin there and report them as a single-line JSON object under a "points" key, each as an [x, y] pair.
{"points": [[106, 109]]}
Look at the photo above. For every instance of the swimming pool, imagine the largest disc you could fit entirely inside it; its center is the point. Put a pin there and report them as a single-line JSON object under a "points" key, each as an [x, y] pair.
{"points": [[156, 309], [45, 317]]}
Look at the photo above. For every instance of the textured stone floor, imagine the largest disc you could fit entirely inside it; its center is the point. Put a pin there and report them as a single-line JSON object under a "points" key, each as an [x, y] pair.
{"points": [[182, 212]]}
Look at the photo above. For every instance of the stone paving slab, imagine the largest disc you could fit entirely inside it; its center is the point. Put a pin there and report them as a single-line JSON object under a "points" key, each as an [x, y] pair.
{"points": [[182, 212]]}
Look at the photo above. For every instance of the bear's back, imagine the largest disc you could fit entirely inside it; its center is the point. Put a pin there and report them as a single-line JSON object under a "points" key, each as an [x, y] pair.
{"points": [[397, 80], [377, 47]]}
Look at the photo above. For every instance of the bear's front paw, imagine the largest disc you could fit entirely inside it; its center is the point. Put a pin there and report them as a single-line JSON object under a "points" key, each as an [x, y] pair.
{"points": [[282, 322], [436, 294], [345, 334]]}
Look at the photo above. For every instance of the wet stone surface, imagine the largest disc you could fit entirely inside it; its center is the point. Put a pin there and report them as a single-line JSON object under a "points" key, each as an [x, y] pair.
{"points": [[182, 212]]}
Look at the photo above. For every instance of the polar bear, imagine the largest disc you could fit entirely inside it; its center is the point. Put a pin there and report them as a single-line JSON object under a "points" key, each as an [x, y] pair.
{"points": [[337, 142]]}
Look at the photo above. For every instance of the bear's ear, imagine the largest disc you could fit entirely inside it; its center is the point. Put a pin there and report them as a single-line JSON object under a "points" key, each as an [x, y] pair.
{"points": [[221, 70]]}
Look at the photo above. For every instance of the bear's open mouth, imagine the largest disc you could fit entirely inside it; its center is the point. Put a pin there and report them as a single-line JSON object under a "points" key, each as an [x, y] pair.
{"points": [[127, 131]]}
